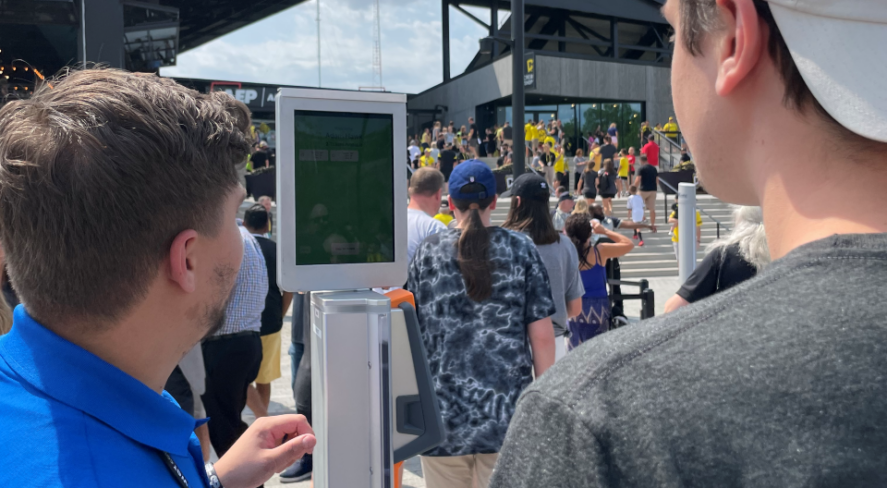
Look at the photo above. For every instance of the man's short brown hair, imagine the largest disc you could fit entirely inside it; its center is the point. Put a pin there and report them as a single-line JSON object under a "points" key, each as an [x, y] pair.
{"points": [[426, 182], [98, 174], [699, 17]]}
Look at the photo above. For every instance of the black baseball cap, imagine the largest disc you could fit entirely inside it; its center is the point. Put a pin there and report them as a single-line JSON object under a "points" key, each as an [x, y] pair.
{"points": [[565, 196], [531, 186]]}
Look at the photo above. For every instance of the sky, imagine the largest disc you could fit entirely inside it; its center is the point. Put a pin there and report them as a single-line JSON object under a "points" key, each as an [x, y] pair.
{"points": [[282, 49]]}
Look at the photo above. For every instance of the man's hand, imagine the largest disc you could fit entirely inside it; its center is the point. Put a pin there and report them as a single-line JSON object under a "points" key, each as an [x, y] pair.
{"points": [[261, 451]]}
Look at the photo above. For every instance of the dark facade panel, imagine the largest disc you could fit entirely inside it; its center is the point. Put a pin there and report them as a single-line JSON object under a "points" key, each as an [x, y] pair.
{"points": [[641, 10]]}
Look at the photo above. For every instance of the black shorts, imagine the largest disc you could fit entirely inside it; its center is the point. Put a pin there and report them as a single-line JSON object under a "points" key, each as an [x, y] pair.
{"points": [[589, 195], [608, 195], [624, 178]]}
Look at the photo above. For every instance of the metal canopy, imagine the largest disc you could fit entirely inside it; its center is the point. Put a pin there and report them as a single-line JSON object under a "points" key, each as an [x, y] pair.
{"points": [[205, 20]]}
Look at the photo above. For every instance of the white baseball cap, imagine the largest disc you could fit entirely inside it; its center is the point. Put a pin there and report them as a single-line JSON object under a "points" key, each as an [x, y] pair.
{"points": [[837, 46]]}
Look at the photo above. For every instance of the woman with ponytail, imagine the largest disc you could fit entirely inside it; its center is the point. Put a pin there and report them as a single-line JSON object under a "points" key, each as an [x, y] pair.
{"points": [[529, 215], [595, 316], [484, 304]]}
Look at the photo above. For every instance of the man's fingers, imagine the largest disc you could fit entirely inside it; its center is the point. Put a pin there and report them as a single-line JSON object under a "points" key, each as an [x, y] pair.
{"points": [[291, 451], [285, 425]]}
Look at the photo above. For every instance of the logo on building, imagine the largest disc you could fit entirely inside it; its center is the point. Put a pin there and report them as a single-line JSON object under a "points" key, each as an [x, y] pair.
{"points": [[530, 70]]}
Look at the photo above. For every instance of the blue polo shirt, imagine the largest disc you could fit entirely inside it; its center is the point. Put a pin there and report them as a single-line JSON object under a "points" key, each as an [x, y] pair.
{"points": [[70, 419]]}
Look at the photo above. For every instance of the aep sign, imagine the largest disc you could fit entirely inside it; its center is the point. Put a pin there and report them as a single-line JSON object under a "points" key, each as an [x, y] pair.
{"points": [[253, 97]]}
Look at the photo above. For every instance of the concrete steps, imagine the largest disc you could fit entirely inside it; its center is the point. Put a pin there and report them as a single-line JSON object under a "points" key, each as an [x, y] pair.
{"points": [[656, 258]]}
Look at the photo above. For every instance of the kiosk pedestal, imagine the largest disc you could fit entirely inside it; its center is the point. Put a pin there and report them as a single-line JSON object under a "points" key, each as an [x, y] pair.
{"points": [[373, 403], [350, 389]]}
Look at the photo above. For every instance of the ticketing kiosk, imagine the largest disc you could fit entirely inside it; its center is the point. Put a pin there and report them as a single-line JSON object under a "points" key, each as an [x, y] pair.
{"points": [[342, 231]]}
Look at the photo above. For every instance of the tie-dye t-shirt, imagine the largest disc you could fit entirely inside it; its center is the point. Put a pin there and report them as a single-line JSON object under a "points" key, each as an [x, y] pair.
{"points": [[478, 352]]}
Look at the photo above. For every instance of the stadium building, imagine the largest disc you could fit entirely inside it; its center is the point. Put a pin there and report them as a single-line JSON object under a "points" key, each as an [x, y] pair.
{"points": [[596, 62]]}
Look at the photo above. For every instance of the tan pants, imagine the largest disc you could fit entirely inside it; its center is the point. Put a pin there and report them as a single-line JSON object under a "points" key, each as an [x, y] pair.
{"points": [[549, 176], [473, 471]]}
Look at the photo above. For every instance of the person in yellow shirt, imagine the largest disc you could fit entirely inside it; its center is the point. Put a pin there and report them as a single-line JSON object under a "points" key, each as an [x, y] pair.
{"points": [[560, 167], [426, 160], [675, 238], [445, 215], [671, 129], [541, 133], [548, 139], [530, 134], [622, 182], [595, 158]]}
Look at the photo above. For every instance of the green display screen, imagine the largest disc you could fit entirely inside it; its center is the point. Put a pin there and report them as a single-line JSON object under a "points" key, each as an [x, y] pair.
{"points": [[344, 188]]}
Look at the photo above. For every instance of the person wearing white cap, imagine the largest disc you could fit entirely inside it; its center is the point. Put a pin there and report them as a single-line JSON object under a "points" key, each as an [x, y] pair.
{"points": [[778, 381]]}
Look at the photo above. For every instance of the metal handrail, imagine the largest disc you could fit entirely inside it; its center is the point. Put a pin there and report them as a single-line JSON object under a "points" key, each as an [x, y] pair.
{"points": [[645, 295], [672, 146], [701, 210]]}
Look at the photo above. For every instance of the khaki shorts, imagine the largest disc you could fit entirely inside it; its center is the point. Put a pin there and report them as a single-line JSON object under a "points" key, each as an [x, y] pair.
{"points": [[469, 471], [649, 199], [270, 368]]}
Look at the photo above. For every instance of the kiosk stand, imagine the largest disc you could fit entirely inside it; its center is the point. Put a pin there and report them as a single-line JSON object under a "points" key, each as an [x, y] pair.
{"points": [[342, 227]]}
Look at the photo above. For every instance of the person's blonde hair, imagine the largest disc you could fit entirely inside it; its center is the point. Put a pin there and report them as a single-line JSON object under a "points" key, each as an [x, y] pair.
{"points": [[580, 207]]}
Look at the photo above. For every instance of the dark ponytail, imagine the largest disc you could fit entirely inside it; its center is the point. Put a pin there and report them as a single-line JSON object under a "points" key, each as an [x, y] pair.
{"points": [[473, 247], [578, 229]]}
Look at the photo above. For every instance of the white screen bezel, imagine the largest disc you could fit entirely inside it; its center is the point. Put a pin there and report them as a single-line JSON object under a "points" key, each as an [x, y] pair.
{"points": [[295, 278]]}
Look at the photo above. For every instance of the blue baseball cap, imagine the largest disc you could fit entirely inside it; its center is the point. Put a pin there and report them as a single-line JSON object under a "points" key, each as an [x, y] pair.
{"points": [[468, 172]]}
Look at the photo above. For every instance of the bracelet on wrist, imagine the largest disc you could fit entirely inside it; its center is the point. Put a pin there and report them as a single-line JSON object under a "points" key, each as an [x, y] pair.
{"points": [[214, 481]]}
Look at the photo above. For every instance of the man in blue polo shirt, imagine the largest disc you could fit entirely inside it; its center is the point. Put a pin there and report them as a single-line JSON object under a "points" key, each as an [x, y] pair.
{"points": [[118, 198]]}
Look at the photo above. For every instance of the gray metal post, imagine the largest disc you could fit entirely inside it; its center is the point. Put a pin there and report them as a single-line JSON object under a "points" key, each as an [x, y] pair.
{"points": [[686, 230], [445, 37], [494, 27], [517, 86]]}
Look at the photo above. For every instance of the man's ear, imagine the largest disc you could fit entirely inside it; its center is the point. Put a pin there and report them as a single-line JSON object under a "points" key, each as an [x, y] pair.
{"points": [[741, 44], [182, 260]]}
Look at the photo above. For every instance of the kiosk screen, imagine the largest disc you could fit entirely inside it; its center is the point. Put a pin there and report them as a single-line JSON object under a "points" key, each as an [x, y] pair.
{"points": [[344, 188]]}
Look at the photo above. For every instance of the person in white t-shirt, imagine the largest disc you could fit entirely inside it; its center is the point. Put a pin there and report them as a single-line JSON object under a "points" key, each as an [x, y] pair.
{"points": [[636, 208], [426, 186], [415, 152]]}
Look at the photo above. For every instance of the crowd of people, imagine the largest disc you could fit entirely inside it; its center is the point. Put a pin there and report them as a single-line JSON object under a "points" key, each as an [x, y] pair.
{"points": [[119, 231]]}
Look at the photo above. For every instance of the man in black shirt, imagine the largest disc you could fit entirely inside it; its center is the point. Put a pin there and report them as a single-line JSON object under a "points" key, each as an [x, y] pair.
{"points": [[256, 221], [260, 157], [608, 150], [448, 159], [647, 181], [508, 134], [491, 142], [778, 381]]}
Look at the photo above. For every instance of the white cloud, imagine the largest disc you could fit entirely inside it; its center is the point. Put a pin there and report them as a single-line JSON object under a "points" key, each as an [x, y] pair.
{"points": [[283, 48]]}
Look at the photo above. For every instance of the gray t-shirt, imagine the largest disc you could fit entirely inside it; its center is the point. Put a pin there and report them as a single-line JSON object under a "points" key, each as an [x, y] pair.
{"points": [[776, 382], [562, 263]]}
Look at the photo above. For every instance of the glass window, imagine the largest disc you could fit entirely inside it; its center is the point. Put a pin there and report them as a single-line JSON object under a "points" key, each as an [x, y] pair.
{"points": [[566, 114]]}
